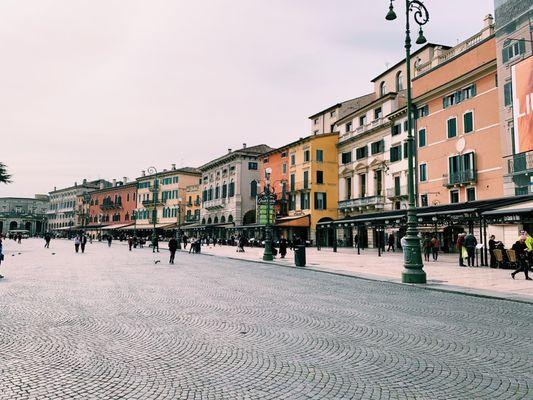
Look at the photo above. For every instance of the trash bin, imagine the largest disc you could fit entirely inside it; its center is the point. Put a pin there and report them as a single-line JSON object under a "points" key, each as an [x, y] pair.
{"points": [[299, 255]]}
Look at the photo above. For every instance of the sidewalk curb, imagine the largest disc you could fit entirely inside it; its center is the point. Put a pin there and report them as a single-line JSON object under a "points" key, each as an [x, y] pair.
{"points": [[486, 294]]}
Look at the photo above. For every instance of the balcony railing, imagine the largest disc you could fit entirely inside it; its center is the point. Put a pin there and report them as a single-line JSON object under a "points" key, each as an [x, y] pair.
{"points": [[215, 204], [520, 163], [197, 202], [110, 206], [363, 128], [460, 178], [151, 203], [397, 192], [192, 218], [370, 201]]}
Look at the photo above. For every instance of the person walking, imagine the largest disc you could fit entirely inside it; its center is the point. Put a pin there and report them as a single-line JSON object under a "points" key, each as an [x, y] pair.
{"points": [[47, 239], [109, 240], [435, 246], [241, 244], [172, 247], [282, 247], [185, 241], [462, 250], [427, 245], [130, 242], [470, 244], [390, 242], [520, 249], [77, 242], [83, 242], [155, 244], [1, 253]]}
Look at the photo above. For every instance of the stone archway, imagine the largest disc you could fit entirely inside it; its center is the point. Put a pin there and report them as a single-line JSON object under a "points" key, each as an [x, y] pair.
{"points": [[249, 217], [13, 225], [27, 226]]}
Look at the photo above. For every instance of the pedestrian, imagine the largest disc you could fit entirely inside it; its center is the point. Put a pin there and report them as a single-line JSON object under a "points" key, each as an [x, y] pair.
{"points": [[77, 242], [19, 238], [155, 243], [493, 244], [240, 248], [282, 247], [470, 244], [427, 245], [135, 241], [185, 241], [130, 242], [390, 242], [1, 253], [462, 250], [435, 246], [172, 247], [109, 240], [83, 242], [520, 249], [47, 239]]}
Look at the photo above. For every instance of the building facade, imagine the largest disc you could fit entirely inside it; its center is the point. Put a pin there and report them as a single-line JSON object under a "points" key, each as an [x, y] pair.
{"points": [[458, 132], [514, 35], [304, 179], [229, 189], [193, 205], [20, 213], [63, 204], [163, 196]]}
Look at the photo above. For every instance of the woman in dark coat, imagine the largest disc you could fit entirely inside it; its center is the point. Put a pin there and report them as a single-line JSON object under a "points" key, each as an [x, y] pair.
{"points": [[282, 247]]}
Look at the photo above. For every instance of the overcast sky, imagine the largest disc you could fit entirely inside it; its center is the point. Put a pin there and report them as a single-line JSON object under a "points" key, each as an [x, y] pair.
{"points": [[106, 88]]}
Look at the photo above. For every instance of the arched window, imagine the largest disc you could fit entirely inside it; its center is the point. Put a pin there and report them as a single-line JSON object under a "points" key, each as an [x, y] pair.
{"points": [[382, 88], [217, 192], [203, 221], [230, 218], [209, 221], [399, 81], [253, 188], [215, 221], [222, 219]]}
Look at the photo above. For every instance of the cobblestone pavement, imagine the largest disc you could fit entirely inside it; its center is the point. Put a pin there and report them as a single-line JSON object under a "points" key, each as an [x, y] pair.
{"points": [[112, 324]]}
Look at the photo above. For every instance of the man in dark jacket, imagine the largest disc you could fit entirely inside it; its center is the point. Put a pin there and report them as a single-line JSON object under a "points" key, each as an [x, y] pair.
{"points": [[282, 247], [520, 248], [470, 244], [460, 244], [172, 247]]}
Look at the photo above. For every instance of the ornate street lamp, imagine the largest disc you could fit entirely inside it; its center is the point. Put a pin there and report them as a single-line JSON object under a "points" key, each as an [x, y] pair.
{"points": [[267, 255], [413, 267], [155, 191], [178, 233], [134, 217]]}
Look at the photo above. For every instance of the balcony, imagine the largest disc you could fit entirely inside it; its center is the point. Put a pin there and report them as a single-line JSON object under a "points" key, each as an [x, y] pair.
{"points": [[520, 163], [362, 202], [192, 218], [110, 205], [151, 203], [301, 187], [460, 178], [397, 192], [215, 204], [197, 203], [363, 128]]}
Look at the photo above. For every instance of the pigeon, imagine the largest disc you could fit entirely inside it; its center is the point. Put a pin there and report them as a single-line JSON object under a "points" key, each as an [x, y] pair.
{"points": [[157, 261], [53, 254]]}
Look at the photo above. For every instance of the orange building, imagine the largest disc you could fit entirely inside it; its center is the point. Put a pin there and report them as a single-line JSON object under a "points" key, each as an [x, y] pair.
{"points": [[457, 130], [113, 207]]}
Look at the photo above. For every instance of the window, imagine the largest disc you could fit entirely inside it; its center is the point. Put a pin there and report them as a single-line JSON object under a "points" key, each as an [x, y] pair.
{"points": [[377, 147], [315, 121], [319, 155], [332, 113], [399, 81], [461, 168], [304, 201], [292, 182], [292, 202], [265, 160], [283, 168], [293, 159], [508, 94], [423, 173], [362, 120], [204, 195], [378, 177], [454, 196], [423, 111], [378, 113], [252, 165], [320, 177], [346, 157], [348, 127], [471, 194], [515, 48], [382, 88], [306, 179], [332, 128], [395, 153], [459, 96], [348, 181], [361, 152], [320, 201], [306, 156], [468, 122], [405, 125], [362, 185], [217, 192], [424, 200], [284, 154], [421, 138], [396, 129], [253, 189], [224, 190], [451, 126], [316, 132], [397, 186], [231, 189]]}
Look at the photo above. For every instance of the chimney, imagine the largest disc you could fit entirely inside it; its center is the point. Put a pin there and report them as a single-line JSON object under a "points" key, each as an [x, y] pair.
{"points": [[55, 188], [244, 145], [125, 179], [143, 173], [173, 167], [229, 150], [75, 183], [84, 181], [488, 21], [114, 182]]}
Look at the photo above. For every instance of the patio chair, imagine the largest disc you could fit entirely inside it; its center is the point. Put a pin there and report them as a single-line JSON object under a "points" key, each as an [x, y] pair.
{"points": [[513, 263], [498, 255]]}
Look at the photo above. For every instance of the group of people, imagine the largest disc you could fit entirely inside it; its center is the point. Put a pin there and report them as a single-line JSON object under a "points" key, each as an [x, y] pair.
{"points": [[431, 246]]}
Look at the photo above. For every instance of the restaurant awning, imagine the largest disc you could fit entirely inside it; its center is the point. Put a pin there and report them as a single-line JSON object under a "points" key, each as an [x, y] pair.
{"points": [[303, 221], [145, 227], [116, 226]]}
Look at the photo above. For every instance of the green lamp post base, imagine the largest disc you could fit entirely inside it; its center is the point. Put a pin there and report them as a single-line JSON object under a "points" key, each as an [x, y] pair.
{"points": [[267, 255], [413, 276]]}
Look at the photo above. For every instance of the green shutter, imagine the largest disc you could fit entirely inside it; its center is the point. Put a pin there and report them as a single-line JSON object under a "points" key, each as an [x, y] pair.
{"points": [[325, 202], [473, 89], [468, 123], [452, 127], [521, 46], [505, 55]]}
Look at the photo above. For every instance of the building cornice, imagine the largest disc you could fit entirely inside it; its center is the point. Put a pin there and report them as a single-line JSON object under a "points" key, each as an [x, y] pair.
{"points": [[367, 107]]}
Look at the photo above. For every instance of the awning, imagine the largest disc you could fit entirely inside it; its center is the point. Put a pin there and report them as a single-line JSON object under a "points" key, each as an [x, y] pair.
{"points": [[449, 212], [511, 211], [67, 228], [295, 221], [145, 227], [116, 226]]}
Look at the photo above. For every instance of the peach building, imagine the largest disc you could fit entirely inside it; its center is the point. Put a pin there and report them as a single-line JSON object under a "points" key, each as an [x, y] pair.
{"points": [[458, 130]]}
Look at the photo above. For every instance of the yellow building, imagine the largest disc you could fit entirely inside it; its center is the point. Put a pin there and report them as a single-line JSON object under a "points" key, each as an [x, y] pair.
{"points": [[167, 191], [193, 203], [305, 179]]}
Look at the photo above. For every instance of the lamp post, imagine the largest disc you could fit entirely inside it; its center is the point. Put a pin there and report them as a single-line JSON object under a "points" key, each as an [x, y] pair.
{"points": [[178, 225], [267, 255], [413, 267], [134, 217], [155, 191]]}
